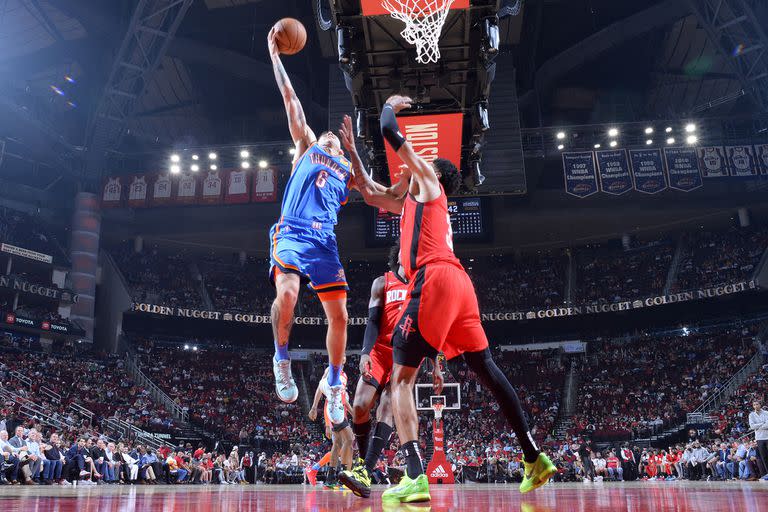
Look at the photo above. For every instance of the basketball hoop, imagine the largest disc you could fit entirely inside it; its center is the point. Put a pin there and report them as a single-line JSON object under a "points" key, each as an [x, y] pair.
{"points": [[438, 408], [424, 20]]}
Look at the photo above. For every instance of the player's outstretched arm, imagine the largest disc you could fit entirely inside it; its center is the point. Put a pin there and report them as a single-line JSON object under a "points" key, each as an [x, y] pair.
{"points": [[374, 194], [301, 133], [420, 169], [316, 401]]}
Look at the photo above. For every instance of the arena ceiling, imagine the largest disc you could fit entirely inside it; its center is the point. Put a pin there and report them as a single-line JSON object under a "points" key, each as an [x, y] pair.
{"points": [[577, 62]]}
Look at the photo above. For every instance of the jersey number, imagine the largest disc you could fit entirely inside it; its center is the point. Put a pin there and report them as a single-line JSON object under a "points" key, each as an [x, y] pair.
{"points": [[322, 179], [449, 236]]}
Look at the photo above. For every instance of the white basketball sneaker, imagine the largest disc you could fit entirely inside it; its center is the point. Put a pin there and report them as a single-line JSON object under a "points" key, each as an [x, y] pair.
{"points": [[284, 383], [336, 404]]}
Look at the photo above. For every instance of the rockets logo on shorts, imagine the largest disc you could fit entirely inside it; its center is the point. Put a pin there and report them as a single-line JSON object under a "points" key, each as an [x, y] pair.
{"points": [[407, 326]]}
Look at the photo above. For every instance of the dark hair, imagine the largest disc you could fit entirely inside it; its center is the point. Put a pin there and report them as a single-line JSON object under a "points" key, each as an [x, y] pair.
{"points": [[450, 177], [394, 253]]}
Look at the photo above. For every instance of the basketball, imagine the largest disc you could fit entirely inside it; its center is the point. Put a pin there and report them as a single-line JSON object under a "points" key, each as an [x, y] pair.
{"points": [[291, 36]]}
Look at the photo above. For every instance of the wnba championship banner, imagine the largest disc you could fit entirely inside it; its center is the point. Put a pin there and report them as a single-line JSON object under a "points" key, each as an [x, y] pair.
{"points": [[761, 153], [432, 137], [742, 161], [580, 174], [712, 162], [682, 168], [613, 169], [648, 170]]}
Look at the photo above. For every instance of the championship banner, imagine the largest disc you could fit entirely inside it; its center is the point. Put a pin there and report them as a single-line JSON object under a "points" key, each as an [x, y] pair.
{"points": [[580, 174], [742, 161], [613, 169], [213, 187], [264, 186], [137, 191], [682, 169], [186, 189], [761, 153], [26, 253], [432, 137], [712, 162], [238, 186], [161, 189], [648, 170], [112, 193]]}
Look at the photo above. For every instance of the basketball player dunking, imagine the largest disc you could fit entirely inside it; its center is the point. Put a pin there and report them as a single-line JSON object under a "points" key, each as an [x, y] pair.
{"points": [[303, 243], [388, 294], [441, 312]]}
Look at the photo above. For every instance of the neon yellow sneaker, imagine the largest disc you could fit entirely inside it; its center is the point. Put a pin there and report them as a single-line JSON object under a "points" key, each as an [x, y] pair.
{"points": [[409, 491], [537, 474], [357, 480]]}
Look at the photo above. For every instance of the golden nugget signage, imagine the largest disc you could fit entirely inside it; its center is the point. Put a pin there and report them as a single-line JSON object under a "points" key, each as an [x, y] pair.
{"points": [[629, 305], [250, 318], [20, 285]]}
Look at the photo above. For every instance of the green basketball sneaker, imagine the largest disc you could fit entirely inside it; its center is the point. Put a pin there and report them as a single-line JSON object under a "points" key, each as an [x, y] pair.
{"points": [[409, 491], [357, 480], [537, 474]]}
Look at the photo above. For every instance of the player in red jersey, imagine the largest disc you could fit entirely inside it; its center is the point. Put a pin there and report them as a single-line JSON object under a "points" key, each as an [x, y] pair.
{"points": [[441, 312], [388, 294]]}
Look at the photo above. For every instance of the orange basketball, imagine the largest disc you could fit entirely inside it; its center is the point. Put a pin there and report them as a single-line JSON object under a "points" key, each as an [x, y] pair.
{"points": [[291, 36]]}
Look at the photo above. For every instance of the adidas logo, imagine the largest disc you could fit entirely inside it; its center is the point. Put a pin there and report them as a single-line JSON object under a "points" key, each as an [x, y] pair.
{"points": [[439, 472]]}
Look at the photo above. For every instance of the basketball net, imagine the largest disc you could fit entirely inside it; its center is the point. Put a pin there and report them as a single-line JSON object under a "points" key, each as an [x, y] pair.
{"points": [[424, 20], [438, 410]]}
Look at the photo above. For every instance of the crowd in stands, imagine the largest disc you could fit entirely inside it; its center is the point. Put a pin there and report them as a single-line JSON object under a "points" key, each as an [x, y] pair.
{"points": [[721, 257], [30, 232], [600, 273], [61, 378], [606, 274], [631, 387], [159, 278]]}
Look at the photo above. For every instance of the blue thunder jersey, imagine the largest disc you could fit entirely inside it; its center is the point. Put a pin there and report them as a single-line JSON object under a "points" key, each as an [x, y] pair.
{"points": [[318, 187]]}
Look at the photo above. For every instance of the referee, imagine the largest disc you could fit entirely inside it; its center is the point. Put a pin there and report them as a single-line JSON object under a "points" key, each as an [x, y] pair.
{"points": [[758, 421]]}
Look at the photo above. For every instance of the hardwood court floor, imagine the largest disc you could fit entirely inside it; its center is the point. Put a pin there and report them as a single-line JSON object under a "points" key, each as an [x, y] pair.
{"points": [[613, 497]]}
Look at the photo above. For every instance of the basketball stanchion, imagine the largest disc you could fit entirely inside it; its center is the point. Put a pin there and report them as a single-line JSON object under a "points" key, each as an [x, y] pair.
{"points": [[439, 469]]}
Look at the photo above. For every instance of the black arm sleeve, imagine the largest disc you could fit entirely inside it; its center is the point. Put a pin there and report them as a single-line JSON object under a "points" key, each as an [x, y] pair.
{"points": [[372, 328], [389, 128]]}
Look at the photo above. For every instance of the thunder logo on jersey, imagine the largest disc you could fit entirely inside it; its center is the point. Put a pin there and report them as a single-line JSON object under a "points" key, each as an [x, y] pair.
{"points": [[318, 187]]}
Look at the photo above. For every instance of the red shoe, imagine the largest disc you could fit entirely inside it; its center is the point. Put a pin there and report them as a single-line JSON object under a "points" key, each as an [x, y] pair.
{"points": [[311, 476]]}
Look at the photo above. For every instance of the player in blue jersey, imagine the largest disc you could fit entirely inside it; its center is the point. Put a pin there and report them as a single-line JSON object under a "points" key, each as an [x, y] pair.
{"points": [[303, 243]]}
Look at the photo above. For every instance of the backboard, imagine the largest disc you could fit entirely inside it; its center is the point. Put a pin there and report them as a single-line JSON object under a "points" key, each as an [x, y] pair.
{"points": [[450, 396]]}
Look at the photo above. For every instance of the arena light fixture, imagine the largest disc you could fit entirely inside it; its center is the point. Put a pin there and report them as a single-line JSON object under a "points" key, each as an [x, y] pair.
{"points": [[245, 164], [690, 128], [175, 169], [613, 143], [560, 147], [195, 157], [649, 130], [194, 168], [194, 348], [186, 346], [212, 156], [175, 158], [560, 135], [649, 142], [597, 146], [214, 167], [671, 140], [245, 153], [263, 164], [613, 132], [668, 129], [692, 139], [292, 151]]}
